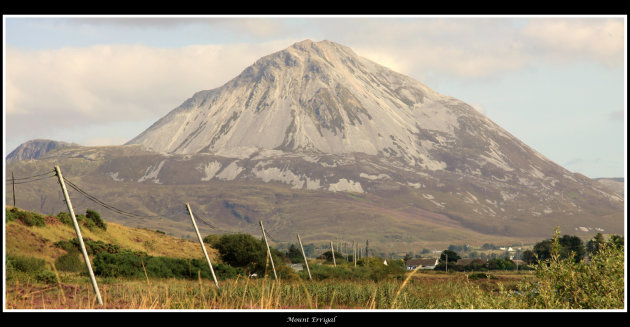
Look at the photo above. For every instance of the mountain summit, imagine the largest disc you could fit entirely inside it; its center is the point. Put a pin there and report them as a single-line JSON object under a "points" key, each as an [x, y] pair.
{"points": [[312, 97]]}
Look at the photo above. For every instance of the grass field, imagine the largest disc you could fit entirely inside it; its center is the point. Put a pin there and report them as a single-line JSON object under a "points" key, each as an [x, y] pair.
{"points": [[422, 291], [33, 281]]}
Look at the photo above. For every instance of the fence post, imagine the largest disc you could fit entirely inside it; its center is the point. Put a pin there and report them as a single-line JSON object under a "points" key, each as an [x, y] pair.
{"points": [[304, 254], [268, 251], [203, 247], [79, 236]]}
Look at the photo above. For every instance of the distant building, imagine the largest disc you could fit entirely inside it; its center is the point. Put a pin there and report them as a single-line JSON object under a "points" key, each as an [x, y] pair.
{"points": [[297, 266], [412, 264]]}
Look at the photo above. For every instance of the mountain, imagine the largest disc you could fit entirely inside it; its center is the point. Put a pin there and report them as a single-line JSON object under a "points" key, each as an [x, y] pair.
{"points": [[318, 140], [615, 184], [35, 149]]}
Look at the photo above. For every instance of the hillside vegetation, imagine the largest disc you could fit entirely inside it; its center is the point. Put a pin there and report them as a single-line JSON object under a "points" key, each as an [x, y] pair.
{"points": [[38, 240]]}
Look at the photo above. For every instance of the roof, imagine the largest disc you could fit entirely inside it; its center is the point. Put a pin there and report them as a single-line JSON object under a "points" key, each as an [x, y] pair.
{"points": [[421, 262]]}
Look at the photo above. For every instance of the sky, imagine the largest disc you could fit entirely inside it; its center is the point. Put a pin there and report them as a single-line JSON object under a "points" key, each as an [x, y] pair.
{"points": [[555, 82]]}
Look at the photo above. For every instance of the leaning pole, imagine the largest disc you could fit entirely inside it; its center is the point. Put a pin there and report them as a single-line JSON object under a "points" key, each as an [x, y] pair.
{"points": [[79, 237]]}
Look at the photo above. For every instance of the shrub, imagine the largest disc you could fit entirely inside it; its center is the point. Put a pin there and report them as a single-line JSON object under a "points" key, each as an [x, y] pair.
{"points": [[70, 262], [242, 251], [95, 217], [26, 264], [566, 284], [46, 276], [28, 218], [130, 265], [65, 218]]}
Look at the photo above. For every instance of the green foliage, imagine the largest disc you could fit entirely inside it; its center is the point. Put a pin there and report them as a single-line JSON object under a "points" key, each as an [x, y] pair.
{"points": [[26, 264], [329, 257], [65, 218], [95, 218], [70, 261], [46, 276], [565, 284], [92, 247], [451, 255], [130, 265], [295, 254], [242, 251], [568, 246], [212, 239], [28, 218], [500, 264]]}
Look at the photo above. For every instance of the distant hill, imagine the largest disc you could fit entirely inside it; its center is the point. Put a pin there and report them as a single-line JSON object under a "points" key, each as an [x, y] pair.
{"points": [[39, 242], [614, 183], [35, 149]]}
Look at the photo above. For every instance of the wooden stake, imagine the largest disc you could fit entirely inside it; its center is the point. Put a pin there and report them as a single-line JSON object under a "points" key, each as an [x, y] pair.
{"points": [[333, 253], [79, 236], [304, 254], [203, 247], [268, 251]]}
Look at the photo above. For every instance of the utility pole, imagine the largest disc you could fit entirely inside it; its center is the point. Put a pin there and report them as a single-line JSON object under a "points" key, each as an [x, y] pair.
{"points": [[367, 254], [333, 253], [304, 254], [268, 251], [354, 253], [13, 182], [79, 236], [446, 261], [203, 247]]}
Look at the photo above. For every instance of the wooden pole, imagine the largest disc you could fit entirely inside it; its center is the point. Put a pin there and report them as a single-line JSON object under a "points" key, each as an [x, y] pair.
{"points": [[203, 247], [354, 255], [13, 182], [367, 254], [79, 236], [305, 261], [268, 251], [333, 253]]}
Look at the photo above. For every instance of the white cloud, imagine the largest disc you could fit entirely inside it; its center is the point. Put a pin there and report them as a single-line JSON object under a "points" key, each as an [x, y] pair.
{"points": [[601, 40], [73, 86]]}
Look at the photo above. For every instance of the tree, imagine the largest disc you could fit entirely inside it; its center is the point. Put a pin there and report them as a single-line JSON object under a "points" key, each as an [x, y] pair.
{"points": [[593, 245], [451, 255], [572, 244], [568, 244], [616, 240], [294, 254], [242, 250], [529, 256]]}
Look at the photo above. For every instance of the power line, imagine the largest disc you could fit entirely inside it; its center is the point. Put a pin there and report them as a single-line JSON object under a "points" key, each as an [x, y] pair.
{"points": [[39, 175], [108, 206], [30, 179]]}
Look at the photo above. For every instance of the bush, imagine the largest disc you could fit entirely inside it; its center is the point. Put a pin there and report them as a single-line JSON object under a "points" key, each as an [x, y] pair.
{"points": [[65, 218], [28, 218], [563, 283], [70, 262], [46, 276], [242, 251], [92, 247], [26, 264], [95, 217], [131, 265]]}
